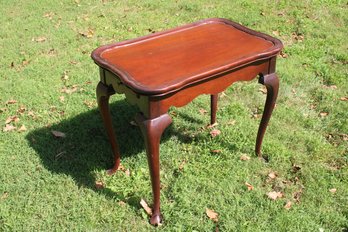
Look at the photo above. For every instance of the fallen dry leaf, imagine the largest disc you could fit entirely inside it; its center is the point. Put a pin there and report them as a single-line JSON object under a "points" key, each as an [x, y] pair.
{"points": [[212, 125], [122, 203], [61, 98], [276, 33], [215, 133], [11, 102], [272, 175], [282, 54], [8, 128], [215, 151], [39, 39], [344, 98], [145, 206], [21, 110], [4, 195], [249, 186], [48, 15], [133, 123], [127, 172], [22, 128], [244, 157], [263, 89], [88, 34], [90, 104], [58, 134], [333, 190], [296, 168], [231, 122], [212, 214], [330, 86], [203, 111], [323, 114], [288, 205], [11, 119], [182, 164], [297, 195], [121, 168], [99, 184], [274, 195], [69, 90]]}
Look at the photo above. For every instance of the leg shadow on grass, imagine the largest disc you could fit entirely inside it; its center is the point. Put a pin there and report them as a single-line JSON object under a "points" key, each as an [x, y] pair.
{"points": [[85, 147]]}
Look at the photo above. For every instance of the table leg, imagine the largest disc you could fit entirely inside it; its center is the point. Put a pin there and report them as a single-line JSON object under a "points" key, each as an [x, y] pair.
{"points": [[103, 95], [152, 130], [271, 82], [213, 107]]}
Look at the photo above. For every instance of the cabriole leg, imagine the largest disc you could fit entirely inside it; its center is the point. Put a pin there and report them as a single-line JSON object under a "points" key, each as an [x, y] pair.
{"points": [[152, 130], [213, 108], [103, 94], [271, 82]]}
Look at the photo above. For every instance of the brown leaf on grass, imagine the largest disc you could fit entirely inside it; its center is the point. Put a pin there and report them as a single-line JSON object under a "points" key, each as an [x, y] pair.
{"points": [[344, 99], [333, 190], [203, 111], [215, 133], [48, 15], [133, 123], [88, 34], [22, 128], [61, 98], [39, 39], [90, 104], [288, 205], [274, 195], [11, 102], [99, 184], [69, 90], [297, 36], [182, 164], [282, 54], [122, 203], [249, 186], [297, 195], [127, 172], [121, 168], [25, 62], [31, 114], [215, 151], [146, 207], [65, 76], [263, 89], [344, 137], [12, 119], [276, 33], [231, 122], [212, 125], [58, 134], [4, 195], [296, 168], [323, 114], [244, 157], [21, 110], [272, 175], [8, 128], [212, 214], [330, 86]]}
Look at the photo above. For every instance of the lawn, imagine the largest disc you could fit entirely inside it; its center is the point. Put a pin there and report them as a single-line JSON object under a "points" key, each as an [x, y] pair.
{"points": [[47, 83]]}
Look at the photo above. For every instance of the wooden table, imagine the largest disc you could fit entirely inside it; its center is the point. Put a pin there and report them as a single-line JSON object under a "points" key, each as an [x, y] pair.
{"points": [[173, 67]]}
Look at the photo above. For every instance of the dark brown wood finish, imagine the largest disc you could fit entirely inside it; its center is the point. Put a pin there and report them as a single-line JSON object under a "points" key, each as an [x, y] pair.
{"points": [[173, 67]]}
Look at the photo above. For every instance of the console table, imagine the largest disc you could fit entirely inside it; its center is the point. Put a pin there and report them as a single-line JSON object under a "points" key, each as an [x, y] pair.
{"points": [[173, 67]]}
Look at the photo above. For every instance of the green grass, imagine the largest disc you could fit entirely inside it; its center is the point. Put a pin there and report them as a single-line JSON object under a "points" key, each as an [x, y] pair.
{"points": [[48, 184]]}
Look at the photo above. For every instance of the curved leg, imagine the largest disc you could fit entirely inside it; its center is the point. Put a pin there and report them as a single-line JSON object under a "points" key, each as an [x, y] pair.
{"points": [[152, 130], [271, 82], [213, 107], [103, 94]]}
